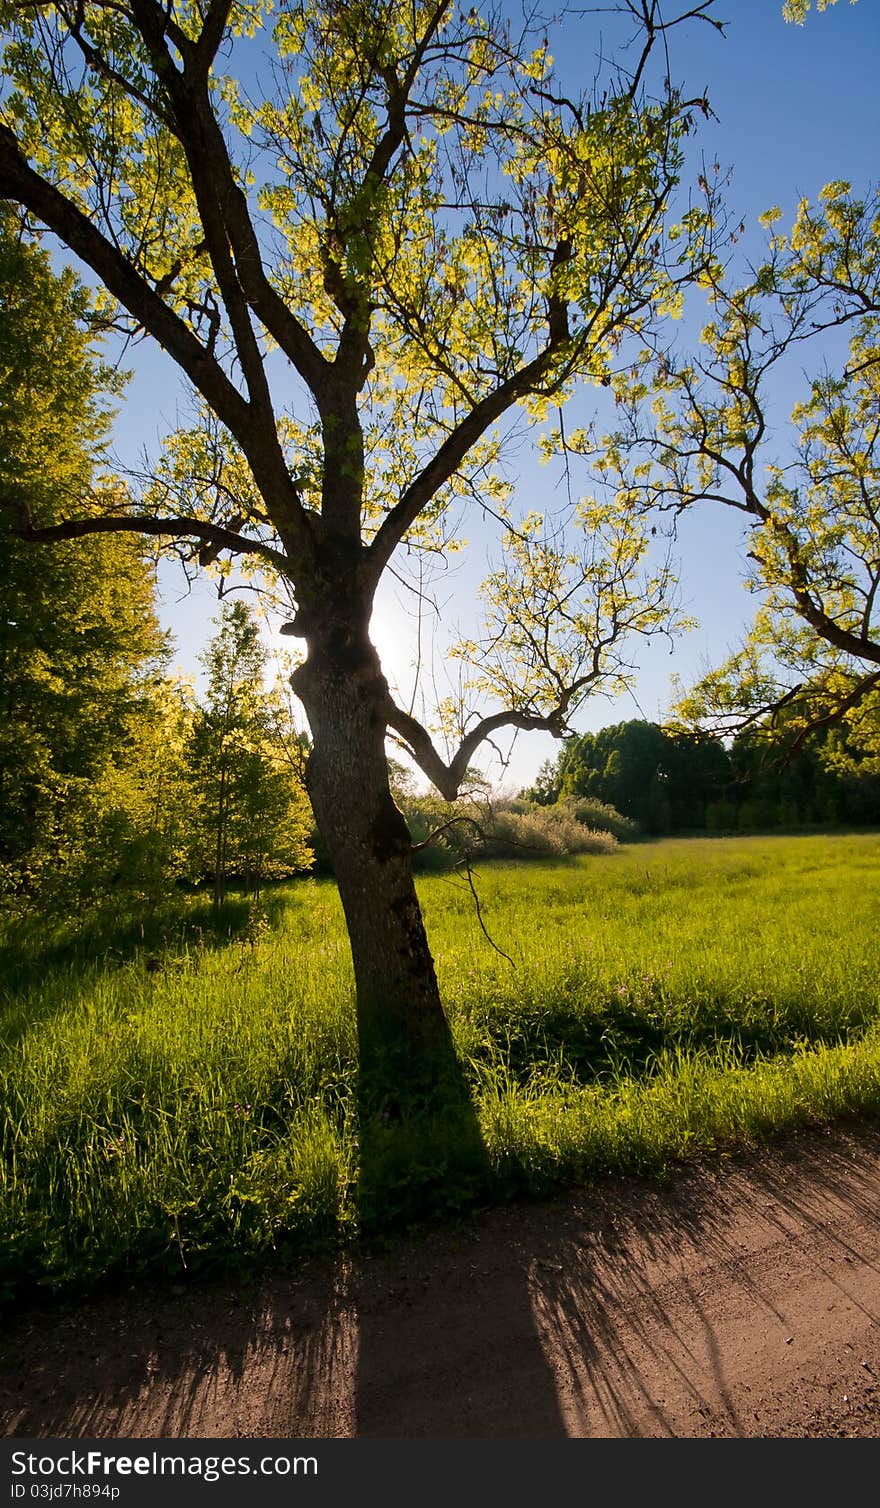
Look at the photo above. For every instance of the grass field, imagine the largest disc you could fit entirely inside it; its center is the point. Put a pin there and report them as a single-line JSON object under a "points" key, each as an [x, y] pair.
{"points": [[194, 1106]]}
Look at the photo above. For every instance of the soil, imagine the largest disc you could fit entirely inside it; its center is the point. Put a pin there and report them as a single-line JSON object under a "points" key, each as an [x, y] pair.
{"points": [[740, 1298]]}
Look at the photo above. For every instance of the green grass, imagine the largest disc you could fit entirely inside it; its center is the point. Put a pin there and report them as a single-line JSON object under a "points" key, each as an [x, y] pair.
{"points": [[194, 1105]]}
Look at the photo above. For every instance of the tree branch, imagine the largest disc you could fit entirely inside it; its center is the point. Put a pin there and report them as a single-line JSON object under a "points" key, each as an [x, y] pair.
{"points": [[450, 455], [19, 182], [267, 304], [448, 777], [189, 100], [211, 35], [353, 353], [174, 528], [259, 440], [842, 705]]}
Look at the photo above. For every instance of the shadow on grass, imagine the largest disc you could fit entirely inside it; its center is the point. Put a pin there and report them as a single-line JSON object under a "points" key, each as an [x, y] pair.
{"points": [[620, 1039], [34, 950], [421, 1152]]}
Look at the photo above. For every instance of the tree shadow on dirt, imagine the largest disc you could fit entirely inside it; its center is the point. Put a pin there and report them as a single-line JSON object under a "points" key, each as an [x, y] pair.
{"points": [[423, 1160], [632, 1305], [597, 1314]]}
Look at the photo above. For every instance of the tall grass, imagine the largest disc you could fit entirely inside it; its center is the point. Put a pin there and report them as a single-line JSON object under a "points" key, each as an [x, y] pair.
{"points": [[193, 1105]]}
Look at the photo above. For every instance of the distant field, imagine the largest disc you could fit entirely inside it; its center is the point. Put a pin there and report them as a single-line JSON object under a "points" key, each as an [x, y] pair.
{"points": [[195, 1105]]}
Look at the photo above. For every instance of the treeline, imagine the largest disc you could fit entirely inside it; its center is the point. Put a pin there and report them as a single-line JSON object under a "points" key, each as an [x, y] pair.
{"points": [[670, 782], [118, 781]]}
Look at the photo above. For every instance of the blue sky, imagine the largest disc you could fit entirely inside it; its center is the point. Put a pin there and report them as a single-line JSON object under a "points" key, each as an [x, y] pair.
{"points": [[796, 107]]}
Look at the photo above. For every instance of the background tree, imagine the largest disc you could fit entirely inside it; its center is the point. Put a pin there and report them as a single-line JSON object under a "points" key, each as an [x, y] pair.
{"points": [[433, 235], [253, 816], [667, 780], [80, 644], [661, 780], [142, 818]]}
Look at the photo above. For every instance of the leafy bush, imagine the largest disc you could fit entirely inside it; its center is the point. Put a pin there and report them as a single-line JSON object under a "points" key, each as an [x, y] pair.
{"points": [[479, 828], [601, 817], [543, 832], [587, 810]]}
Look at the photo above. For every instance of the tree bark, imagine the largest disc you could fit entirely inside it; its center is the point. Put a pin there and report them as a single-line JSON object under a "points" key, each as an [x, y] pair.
{"points": [[420, 1145], [400, 1016]]}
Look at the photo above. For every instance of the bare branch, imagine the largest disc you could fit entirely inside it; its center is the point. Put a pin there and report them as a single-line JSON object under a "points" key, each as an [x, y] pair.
{"points": [[448, 778], [213, 535]]}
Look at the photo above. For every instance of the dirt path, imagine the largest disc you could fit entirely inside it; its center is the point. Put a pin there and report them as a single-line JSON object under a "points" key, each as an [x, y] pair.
{"points": [[742, 1299]]}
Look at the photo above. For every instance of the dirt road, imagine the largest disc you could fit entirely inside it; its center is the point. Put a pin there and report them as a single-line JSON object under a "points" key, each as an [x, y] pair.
{"points": [[740, 1299]]}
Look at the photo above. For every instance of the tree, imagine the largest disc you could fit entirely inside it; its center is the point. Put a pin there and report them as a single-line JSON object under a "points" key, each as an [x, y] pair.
{"points": [[661, 779], [141, 815], [253, 810], [668, 780], [80, 644], [814, 514], [425, 230]]}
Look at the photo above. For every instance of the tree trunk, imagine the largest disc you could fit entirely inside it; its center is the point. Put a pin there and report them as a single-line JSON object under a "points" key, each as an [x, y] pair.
{"points": [[220, 849], [398, 1000], [420, 1143]]}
